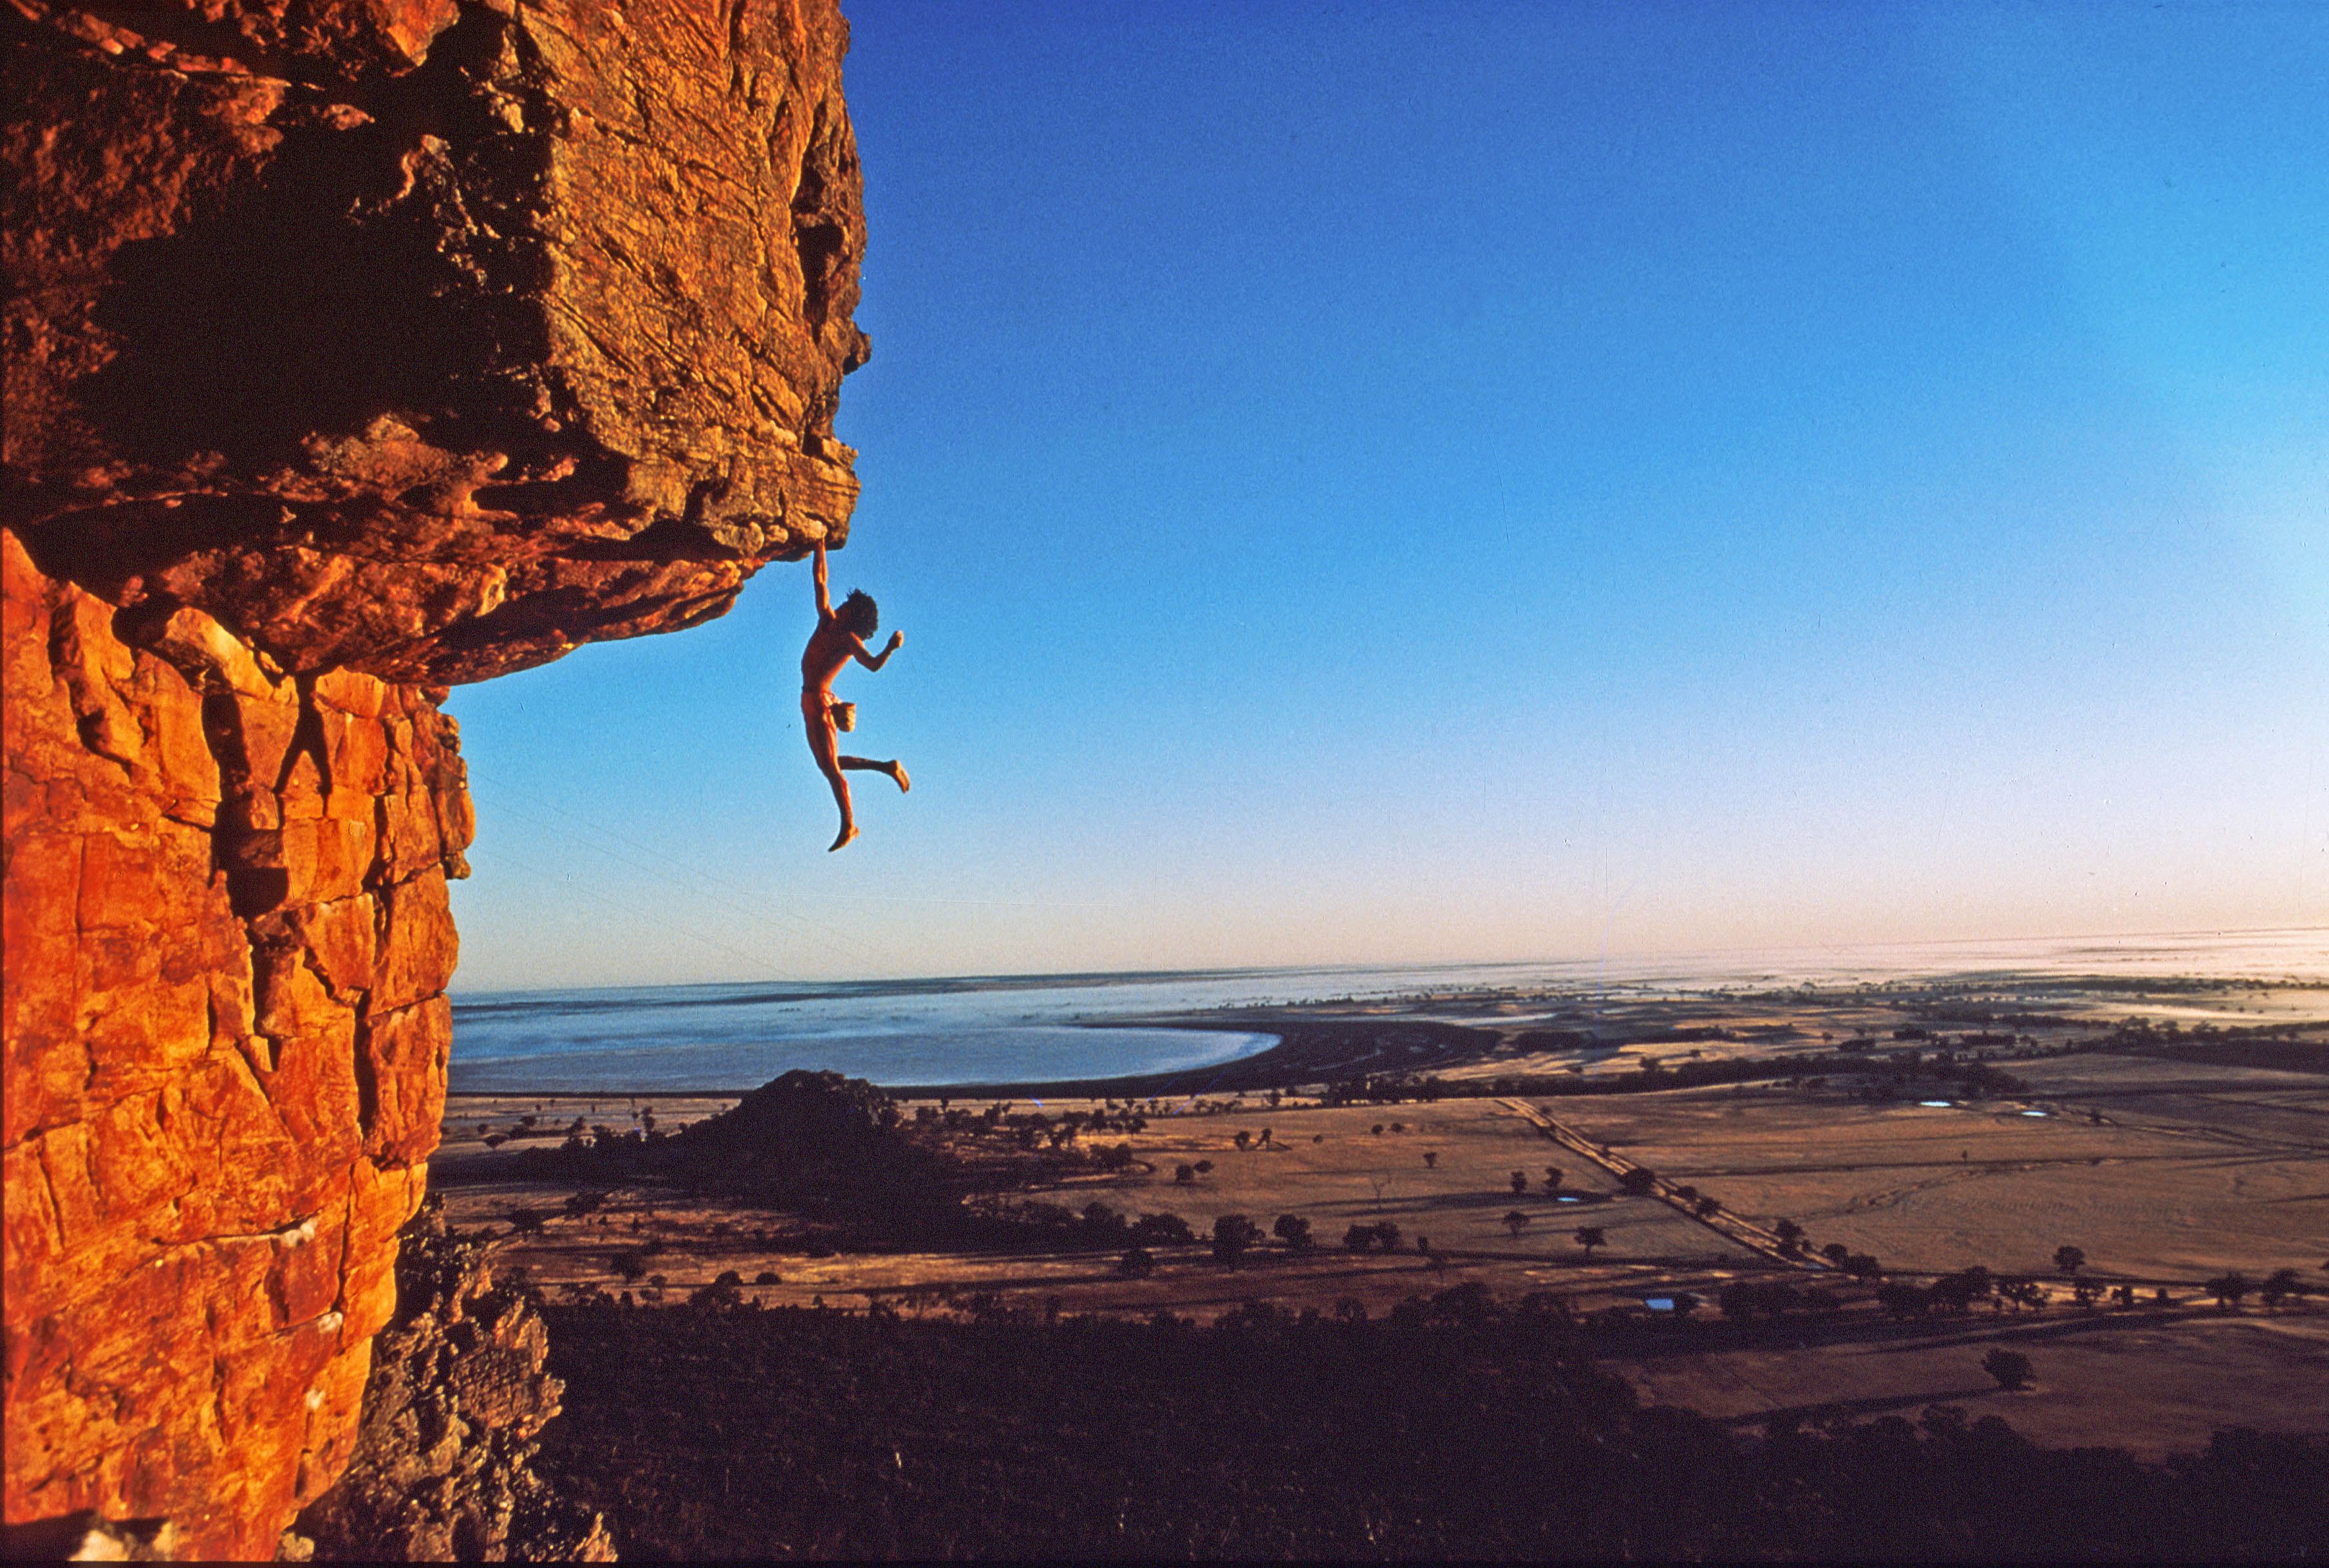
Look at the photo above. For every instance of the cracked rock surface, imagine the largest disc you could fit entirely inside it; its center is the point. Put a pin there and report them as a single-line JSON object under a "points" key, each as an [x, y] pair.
{"points": [[228, 943], [353, 348]]}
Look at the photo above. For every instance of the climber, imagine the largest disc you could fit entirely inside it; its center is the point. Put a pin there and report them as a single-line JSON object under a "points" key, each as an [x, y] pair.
{"points": [[840, 637]]}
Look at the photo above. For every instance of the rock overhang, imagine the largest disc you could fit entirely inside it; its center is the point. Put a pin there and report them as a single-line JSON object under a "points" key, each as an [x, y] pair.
{"points": [[429, 340]]}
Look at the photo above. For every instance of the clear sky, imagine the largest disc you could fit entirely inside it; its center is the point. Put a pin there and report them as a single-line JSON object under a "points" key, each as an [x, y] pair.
{"points": [[1472, 481]]}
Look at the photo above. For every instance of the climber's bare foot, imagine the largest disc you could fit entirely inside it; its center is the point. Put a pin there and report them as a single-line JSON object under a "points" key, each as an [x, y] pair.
{"points": [[848, 835], [897, 770]]}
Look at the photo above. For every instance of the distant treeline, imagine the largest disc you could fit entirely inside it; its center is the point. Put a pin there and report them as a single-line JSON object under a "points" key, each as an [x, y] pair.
{"points": [[1456, 1426], [1888, 1072], [2282, 1046]]}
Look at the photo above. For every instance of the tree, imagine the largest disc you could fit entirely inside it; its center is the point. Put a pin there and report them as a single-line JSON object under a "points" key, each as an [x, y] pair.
{"points": [[2010, 1367], [1136, 1263], [1835, 1252], [1431, 1159], [1233, 1235], [1184, 1175], [1516, 1222], [527, 1221], [1163, 1230], [1387, 1235], [2069, 1260], [631, 1265], [1553, 1178], [1293, 1231], [1705, 1206], [1358, 1238], [1204, 1167], [1376, 1130], [1520, 1183], [1902, 1299], [2227, 1289], [1590, 1237], [1790, 1234], [2277, 1286], [1244, 1139], [1956, 1292], [1638, 1182]]}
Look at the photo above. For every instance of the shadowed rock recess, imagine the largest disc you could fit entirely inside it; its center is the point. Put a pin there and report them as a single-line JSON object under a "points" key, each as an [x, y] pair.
{"points": [[459, 1393], [352, 350]]}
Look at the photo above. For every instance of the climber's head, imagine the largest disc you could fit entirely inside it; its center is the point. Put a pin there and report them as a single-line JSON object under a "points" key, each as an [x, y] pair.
{"points": [[859, 614]]}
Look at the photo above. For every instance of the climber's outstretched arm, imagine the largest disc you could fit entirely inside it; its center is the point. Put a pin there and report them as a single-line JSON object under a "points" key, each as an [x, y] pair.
{"points": [[823, 600]]}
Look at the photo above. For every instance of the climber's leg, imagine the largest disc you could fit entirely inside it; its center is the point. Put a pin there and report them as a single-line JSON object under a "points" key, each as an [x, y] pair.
{"points": [[822, 746], [897, 771]]}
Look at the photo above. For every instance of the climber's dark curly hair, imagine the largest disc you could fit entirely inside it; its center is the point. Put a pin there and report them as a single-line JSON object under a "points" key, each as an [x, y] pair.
{"points": [[859, 613]]}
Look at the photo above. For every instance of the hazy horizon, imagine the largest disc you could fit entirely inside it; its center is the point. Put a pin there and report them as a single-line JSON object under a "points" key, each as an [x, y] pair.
{"points": [[2300, 952], [1388, 485]]}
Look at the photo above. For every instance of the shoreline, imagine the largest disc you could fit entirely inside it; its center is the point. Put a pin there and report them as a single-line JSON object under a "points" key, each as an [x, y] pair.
{"points": [[1306, 1050], [1320, 1043]]}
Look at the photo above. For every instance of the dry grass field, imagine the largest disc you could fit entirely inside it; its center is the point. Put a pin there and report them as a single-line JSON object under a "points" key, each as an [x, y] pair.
{"points": [[2152, 1384], [1327, 1166], [2159, 1172]]}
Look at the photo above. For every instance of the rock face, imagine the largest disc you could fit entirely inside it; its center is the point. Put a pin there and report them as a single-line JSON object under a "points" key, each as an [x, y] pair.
{"points": [[459, 1390], [353, 348], [228, 944]]}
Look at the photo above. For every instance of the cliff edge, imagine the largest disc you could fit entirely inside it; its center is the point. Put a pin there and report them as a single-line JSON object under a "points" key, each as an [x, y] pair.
{"points": [[352, 350]]}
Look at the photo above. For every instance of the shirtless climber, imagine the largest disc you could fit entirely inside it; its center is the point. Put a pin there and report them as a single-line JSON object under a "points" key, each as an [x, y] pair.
{"points": [[840, 637]]}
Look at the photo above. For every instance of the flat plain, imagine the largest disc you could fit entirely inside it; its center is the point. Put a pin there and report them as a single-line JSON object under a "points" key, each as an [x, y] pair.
{"points": [[2166, 1169]]}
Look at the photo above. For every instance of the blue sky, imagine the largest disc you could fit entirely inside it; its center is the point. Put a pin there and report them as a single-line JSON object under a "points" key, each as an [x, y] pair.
{"points": [[1383, 483]]}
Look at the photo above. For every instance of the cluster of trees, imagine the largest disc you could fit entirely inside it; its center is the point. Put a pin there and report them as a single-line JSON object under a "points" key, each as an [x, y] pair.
{"points": [[828, 1434], [1095, 1227], [1747, 1301], [998, 1118], [2274, 1046], [2231, 1288]]}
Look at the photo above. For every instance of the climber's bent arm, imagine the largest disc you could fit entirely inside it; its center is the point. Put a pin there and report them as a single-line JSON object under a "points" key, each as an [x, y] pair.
{"points": [[875, 661]]}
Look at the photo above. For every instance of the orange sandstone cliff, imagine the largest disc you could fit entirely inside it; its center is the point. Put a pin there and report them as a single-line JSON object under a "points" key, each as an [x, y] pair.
{"points": [[355, 348]]}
